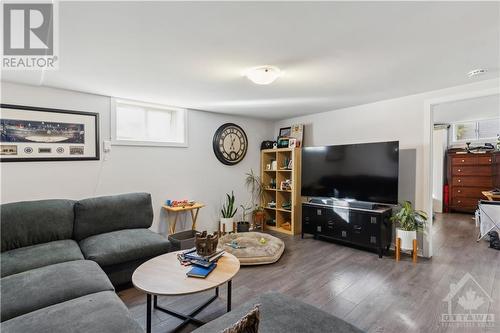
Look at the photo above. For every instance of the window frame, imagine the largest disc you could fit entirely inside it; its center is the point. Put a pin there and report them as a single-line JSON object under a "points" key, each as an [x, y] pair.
{"points": [[176, 113], [476, 130]]}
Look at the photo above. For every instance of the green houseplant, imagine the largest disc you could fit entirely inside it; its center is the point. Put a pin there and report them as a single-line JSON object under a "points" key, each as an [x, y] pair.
{"points": [[408, 221], [228, 211], [256, 187]]}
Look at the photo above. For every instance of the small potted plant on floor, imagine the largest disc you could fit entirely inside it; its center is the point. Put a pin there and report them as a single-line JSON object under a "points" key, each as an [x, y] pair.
{"points": [[256, 188], [244, 225], [228, 211], [408, 221]]}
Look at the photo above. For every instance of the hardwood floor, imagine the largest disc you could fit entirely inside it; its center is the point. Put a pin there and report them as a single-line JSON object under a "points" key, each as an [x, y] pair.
{"points": [[377, 295]]}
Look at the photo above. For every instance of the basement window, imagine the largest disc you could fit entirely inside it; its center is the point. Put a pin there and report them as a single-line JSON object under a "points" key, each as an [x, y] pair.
{"points": [[143, 124], [480, 130]]}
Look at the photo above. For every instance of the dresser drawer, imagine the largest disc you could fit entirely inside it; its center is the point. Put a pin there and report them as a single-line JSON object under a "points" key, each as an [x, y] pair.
{"points": [[464, 202], [472, 181], [470, 192], [464, 160], [484, 160], [466, 170]]}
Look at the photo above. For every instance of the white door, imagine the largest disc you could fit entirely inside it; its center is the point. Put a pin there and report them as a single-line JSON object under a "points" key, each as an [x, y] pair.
{"points": [[440, 144]]}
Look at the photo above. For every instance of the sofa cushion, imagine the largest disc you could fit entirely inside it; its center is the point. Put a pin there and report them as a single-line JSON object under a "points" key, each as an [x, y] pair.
{"points": [[32, 222], [94, 313], [280, 313], [124, 245], [105, 214], [30, 257], [38, 288]]}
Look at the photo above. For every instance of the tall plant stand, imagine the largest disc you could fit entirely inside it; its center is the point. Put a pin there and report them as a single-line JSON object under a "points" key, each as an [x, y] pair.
{"points": [[413, 253]]}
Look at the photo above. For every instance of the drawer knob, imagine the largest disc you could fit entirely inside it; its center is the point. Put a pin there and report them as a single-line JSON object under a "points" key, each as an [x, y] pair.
{"points": [[459, 170], [459, 180], [489, 160], [463, 161], [459, 191], [459, 201]]}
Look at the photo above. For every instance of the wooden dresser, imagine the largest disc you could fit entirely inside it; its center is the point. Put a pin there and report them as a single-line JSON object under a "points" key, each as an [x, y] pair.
{"points": [[468, 176]]}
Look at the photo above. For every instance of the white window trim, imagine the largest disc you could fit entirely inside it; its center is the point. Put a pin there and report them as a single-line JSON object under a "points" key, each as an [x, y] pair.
{"points": [[115, 142]]}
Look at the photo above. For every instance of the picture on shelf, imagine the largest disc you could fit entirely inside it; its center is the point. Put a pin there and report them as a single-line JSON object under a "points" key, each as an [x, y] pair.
{"points": [[292, 143], [285, 132]]}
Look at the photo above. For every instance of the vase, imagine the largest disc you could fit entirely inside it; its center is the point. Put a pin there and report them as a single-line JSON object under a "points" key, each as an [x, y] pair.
{"points": [[407, 238], [228, 222]]}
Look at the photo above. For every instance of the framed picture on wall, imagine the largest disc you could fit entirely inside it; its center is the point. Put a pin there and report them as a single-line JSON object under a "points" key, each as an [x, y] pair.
{"points": [[42, 134]]}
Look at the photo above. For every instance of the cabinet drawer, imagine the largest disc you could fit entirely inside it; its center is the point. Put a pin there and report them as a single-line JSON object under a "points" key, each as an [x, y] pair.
{"points": [[471, 192], [482, 170], [484, 160], [463, 160], [472, 181], [464, 202]]}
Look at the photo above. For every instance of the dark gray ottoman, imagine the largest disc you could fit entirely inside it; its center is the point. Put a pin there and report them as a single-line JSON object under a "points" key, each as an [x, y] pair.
{"points": [[280, 313]]}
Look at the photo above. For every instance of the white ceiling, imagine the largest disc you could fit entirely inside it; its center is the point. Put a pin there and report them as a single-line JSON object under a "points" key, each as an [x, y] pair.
{"points": [[335, 54]]}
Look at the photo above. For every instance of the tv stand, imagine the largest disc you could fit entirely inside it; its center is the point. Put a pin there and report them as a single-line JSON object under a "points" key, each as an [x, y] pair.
{"points": [[366, 228]]}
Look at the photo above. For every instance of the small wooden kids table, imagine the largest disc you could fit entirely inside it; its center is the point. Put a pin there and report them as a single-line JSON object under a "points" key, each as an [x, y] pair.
{"points": [[193, 209]]}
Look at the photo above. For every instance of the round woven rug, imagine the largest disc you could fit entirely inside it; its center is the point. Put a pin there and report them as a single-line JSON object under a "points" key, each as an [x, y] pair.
{"points": [[254, 252]]}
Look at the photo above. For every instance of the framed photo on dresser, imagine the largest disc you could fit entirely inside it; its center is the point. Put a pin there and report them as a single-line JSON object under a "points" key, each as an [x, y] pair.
{"points": [[42, 134]]}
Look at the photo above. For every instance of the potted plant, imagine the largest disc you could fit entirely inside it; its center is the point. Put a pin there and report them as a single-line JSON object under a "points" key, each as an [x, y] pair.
{"points": [[244, 225], [408, 221], [256, 188], [228, 211]]}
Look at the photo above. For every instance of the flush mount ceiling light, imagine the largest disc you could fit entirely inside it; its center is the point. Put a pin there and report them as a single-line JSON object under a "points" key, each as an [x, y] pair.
{"points": [[476, 72], [263, 74]]}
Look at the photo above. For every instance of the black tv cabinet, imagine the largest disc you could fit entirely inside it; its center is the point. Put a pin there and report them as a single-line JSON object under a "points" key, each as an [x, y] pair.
{"points": [[366, 228]]}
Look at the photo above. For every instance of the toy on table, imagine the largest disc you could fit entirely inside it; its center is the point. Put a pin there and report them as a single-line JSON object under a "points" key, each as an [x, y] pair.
{"points": [[262, 240], [234, 244], [179, 203]]}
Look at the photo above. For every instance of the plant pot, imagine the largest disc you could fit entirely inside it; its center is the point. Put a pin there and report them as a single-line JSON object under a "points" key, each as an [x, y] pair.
{"points": [[228, 222], [243, 226], [407, 238]]}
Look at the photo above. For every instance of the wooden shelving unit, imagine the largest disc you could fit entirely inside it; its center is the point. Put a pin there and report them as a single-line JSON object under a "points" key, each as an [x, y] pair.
{"points": [[279, 215]]}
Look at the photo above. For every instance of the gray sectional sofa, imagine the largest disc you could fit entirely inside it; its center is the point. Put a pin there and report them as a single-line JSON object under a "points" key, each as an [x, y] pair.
{"points": [[61, 260]]}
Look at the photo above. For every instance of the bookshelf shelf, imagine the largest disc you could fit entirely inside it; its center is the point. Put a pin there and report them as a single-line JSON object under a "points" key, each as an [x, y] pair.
{"points": [[286, 220]]}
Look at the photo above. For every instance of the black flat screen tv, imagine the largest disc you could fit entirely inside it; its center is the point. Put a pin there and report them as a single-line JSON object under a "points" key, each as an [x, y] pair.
{"points": [[363, 172]]}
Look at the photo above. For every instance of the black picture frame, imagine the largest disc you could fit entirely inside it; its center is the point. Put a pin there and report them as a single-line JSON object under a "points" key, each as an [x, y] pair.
{"points": [[96, 141], [285, 132]]}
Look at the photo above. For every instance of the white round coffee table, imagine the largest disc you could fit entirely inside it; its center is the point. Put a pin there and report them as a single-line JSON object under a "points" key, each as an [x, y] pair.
{"points": [[165, 276]]}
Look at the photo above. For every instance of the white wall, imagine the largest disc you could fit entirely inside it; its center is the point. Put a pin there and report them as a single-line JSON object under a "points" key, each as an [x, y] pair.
{"points": [[165, 172], [485, 107]]}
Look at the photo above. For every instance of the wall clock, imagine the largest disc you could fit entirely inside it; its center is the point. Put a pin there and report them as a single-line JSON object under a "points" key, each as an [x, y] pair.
{"points": [[230, 144]]}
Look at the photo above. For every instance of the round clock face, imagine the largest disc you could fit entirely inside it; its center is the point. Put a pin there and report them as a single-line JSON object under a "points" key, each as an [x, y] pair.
{"points": [[230, 144]]}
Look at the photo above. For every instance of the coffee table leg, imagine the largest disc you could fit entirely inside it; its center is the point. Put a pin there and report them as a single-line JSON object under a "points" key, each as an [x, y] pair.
{"points": [[148, 313], [229, 287]]}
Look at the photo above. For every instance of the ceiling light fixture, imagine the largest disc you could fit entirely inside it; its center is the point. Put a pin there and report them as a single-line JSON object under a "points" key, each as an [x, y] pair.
{"points": [[263, 74], [477, 72]]}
